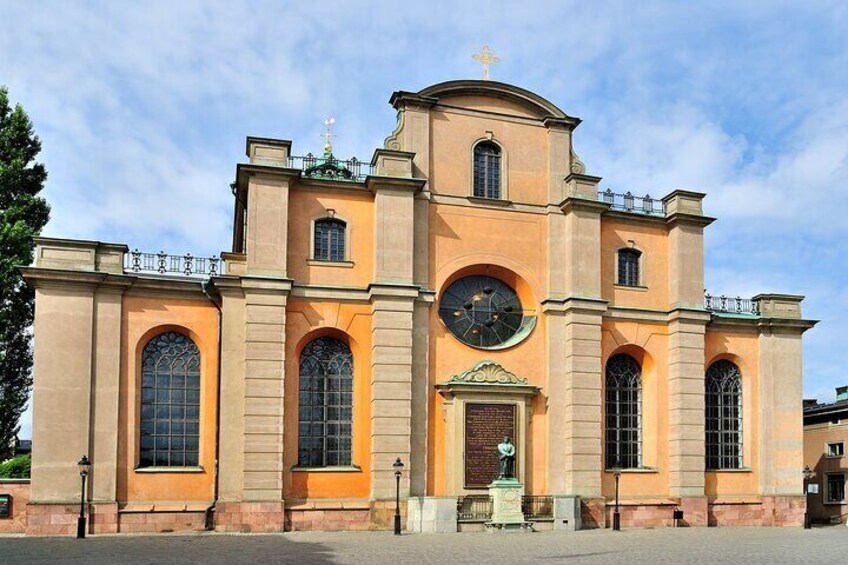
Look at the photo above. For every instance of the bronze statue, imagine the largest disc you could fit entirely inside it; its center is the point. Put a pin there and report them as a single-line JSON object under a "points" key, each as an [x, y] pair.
{"points": [[506, 453]]}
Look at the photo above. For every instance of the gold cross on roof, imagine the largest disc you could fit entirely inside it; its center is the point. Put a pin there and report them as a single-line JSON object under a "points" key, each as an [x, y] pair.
{"points": [[328, 135], [486, 57]]}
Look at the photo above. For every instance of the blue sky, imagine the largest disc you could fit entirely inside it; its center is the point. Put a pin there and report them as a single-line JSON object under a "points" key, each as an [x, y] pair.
{"points": [[143, 107]]}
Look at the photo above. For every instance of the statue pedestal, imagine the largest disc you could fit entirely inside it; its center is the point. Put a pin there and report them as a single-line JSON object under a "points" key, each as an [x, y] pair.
{"points": [[506, 506]]}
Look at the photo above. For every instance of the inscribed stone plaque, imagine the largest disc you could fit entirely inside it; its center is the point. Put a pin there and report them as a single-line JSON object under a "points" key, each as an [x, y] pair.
{"points": [[485, 427]]}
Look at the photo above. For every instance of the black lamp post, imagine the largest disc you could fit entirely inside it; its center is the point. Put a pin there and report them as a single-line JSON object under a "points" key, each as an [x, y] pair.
{"points": [[616, 517], [808, 474], [84, 468], [398, 467]]}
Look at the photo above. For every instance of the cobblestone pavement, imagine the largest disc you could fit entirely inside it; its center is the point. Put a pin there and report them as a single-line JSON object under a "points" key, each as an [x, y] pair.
{"points": [[774, 546]]}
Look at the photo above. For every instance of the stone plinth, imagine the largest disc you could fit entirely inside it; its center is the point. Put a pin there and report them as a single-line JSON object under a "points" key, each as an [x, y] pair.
{"points": [[432, 514], [506, 506]]}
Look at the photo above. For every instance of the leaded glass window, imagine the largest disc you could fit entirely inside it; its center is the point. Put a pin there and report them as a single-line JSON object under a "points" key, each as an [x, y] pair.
{"points": [[170, 402], [628, 267], [723, 406], [487, 170], [481, 311], [325, 406], [329, 240], [623, 412]]}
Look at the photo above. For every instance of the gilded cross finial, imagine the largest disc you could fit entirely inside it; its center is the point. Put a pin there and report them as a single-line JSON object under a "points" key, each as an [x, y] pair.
{"points": [[486, 58], [328, 136]]}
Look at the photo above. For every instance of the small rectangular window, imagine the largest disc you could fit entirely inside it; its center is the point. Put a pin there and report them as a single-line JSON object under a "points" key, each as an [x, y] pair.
{"points": [[836, 487], [836, 449]]}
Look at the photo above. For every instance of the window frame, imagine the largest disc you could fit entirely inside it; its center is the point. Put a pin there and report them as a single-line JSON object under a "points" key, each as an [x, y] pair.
{"points": [[724, 450], [640, 267], [153, 465], [345, 260], [503, 192], [830, 455], [827, 483], [613, 434], [305, 460]]}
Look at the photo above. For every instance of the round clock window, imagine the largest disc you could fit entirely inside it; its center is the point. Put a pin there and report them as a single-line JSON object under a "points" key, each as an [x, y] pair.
{"points": [[484, 312]]}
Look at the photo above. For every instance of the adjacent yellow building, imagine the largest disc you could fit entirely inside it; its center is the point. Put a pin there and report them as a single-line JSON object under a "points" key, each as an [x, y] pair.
{"points": [[472, 280]]}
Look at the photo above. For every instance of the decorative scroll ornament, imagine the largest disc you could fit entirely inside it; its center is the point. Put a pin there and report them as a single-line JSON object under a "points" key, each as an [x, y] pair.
{"points": [[393, 141], [577, 166], [488, 372]]}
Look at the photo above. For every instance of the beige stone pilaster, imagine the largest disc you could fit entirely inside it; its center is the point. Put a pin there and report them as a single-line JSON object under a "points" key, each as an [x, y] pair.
{"points": [[780, 394], [264, 375], [412, 133], [232, 393], [392, 361], [686, 224], [559, 162], [267, 151], [574, 396], [686, 402], [105, 386], [77, 333], [575, 264], [267, 223], [420, 394]]}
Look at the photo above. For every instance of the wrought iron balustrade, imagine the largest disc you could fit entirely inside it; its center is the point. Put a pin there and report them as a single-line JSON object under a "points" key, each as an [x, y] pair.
{"points": [[165, 264], [328, 167], [537, 507], [474, 508], [730, 305], [629, 202]]}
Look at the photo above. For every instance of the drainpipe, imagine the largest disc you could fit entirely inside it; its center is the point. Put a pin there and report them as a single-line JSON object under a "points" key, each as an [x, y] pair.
{"points": [[207, 286]]}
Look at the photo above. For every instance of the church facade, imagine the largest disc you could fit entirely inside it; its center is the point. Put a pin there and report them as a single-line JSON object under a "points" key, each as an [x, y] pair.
{"points": [[473, 281]]}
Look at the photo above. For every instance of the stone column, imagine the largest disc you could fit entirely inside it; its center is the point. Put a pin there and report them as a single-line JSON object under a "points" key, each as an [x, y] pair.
{"points": [[573, 311], [267, 223], [780, 415]]}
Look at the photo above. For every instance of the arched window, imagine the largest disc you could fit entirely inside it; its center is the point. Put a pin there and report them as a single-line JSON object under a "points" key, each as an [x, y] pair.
{"points": [[628, 267], [624, 412], [723, 416], [170, 402], [487, 170], [325, 405], [329, 240]]}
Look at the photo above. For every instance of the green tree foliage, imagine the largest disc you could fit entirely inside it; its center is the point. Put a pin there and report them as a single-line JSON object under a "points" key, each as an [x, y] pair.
{"points": [[16, 467], [22, 215]]}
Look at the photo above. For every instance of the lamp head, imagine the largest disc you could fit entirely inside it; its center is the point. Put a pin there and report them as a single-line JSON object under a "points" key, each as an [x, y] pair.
{"points": [[84, 466]]}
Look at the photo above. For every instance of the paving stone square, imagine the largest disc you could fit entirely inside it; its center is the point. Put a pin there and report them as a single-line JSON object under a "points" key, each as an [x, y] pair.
{"points": [[773, 546]]}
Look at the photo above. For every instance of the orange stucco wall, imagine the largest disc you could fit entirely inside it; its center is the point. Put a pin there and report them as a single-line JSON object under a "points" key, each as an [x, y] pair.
{"points": [[648, 345], [462, 242], [816, 438], [305, 321], [356, 208], [144, 318], [740, 348], [524, 154], [652, 241]]}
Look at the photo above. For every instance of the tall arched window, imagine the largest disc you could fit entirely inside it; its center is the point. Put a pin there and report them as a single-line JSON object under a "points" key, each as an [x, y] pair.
{"points": [[624, 412], [329, 240], [325, 405], [487, 170], [170, 402], [723, 416], [628, 267]]}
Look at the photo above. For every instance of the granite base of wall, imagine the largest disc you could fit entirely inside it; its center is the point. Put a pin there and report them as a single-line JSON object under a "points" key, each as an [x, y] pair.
{"points": [[161, 522], [19, 490], [250, 517], [61, 519], [593, 513], [641, 514]]}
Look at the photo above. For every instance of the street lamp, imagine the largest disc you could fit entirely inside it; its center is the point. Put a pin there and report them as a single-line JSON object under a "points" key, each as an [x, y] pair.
{"points": [[616, 517], [84, 468], [808, 474], [398, 467]]}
